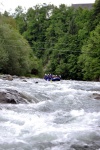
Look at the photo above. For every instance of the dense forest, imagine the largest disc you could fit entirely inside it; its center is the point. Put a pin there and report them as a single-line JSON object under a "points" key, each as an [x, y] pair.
{"points": [[49, 39]]}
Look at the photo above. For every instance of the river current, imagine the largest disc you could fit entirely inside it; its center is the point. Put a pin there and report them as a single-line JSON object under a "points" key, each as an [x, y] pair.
{"points": [[62, 115]]}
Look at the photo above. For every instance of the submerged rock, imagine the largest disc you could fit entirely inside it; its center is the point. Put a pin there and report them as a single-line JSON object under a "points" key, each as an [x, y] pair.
{"points": [[85, 147], [96, 96], [13, 97]]}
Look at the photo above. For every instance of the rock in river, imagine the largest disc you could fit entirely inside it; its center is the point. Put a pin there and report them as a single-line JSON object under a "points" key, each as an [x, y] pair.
{"points": [[13, 97]]}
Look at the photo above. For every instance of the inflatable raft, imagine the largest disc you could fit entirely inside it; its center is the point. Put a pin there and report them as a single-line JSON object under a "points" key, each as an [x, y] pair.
{"points": [[52, 77]]}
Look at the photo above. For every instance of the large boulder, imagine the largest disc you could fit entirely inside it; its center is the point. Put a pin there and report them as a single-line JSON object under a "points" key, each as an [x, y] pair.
{"points": [[6, 77], [9, 77], [13, 97]]}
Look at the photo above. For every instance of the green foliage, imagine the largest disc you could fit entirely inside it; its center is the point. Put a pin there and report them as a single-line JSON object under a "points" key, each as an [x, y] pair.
{"points": [[91, 56], [58, 36], [20, 18], [95, 16], [7, 19], [15, 53], [3, 56], [16, 62]]}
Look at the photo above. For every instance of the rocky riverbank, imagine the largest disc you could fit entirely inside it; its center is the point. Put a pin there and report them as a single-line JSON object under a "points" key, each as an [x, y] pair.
{"points": [[10, 77]]}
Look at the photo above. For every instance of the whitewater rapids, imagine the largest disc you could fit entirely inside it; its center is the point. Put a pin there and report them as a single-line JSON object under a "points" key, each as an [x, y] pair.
{"points": [[62, 115]]}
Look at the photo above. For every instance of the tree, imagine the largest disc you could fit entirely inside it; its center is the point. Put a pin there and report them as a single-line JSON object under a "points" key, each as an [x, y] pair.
{"points": [[95, 16], [20, 17], [90, 57], [16, 55]]}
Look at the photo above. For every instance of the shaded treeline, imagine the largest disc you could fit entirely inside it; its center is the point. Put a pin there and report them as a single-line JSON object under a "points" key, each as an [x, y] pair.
{"points": [[64, 40], [16, 55]]}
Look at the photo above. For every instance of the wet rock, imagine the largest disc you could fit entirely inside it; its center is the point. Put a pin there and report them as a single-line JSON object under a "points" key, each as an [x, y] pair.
{"points": [[6, 77], [15, 77], [9, 77], [96, 96], [85, 147], [24, 80], [22, 77], [13, 97], [36, 82]]}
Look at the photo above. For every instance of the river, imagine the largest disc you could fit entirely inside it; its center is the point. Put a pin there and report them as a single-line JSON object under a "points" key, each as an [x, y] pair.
{"points": [[62, 115]]}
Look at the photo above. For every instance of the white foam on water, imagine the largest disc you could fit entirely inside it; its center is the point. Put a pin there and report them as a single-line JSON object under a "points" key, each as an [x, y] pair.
{"points": [[66, 114]]}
